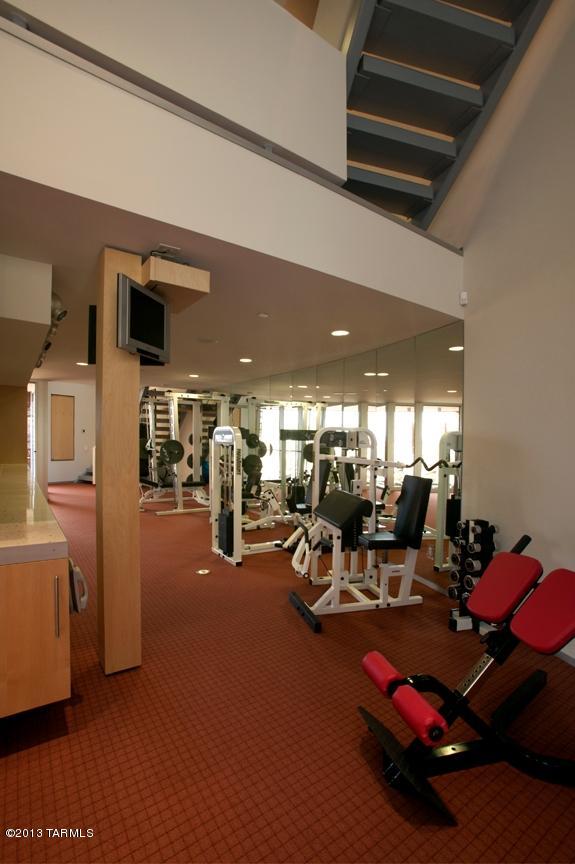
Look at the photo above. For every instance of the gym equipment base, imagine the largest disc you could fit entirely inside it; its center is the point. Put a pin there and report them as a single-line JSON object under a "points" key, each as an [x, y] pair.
{"points": [[305, 612], [409, 768]]}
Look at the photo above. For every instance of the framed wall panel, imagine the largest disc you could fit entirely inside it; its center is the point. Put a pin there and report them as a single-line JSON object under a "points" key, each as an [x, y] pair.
{"points": [[62, 428]]}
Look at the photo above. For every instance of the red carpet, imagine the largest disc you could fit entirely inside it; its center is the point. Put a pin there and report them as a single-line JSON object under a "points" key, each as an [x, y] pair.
{"points": [[238, 740]]}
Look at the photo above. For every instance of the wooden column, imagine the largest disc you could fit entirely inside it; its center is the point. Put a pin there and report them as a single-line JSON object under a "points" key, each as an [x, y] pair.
{"points": [[117, 448]]}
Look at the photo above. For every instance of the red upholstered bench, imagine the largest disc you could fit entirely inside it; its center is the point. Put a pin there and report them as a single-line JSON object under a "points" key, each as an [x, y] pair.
{"points": [[546, 621], [506, 581], [539, 614]]}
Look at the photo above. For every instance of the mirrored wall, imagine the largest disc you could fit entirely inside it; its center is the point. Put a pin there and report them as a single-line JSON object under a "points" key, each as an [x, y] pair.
{"points": [[408, 393], [424, 369]]}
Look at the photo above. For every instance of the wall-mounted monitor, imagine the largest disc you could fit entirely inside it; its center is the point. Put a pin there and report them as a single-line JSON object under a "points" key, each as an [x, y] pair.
{"points": [[143, 322]]}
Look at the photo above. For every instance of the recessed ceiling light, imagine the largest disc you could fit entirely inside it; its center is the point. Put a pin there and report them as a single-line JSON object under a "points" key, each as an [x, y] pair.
{"points": [[317, 386], [81, 363], [263, 315], [456, 348], [452, 391], [369, 374], [193, 375], [382, 374], [326, 397], [291, 386], [302, 386], [245, 359], [340, 332]]}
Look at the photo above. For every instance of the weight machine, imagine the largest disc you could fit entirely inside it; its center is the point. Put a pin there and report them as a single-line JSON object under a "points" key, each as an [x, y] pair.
{"points": [[174, 455], [226, 486], [339, 524], [448, 495]]}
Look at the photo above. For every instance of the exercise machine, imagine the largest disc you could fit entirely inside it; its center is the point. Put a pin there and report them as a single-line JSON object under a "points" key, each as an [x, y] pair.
{"points": [[226, 498], [520, 609], [177, 462], [340, 516]]}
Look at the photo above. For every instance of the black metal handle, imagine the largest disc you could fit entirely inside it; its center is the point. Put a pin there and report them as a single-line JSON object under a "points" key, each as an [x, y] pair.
{"points": [[521, 544]]}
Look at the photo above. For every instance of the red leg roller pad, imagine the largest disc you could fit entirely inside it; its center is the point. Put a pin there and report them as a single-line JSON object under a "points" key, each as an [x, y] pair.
{"points": [[381, 672], [424, 720]]}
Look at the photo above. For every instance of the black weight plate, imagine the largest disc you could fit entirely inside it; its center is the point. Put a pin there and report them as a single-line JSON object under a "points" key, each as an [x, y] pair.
{"points": [[252, 464], [171, 452]]}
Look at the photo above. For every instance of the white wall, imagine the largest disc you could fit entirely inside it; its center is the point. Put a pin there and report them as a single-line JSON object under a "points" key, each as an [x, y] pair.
{"points": [[125, 152], [519, 270], [25, 310], [84, 429], [250, 62]]}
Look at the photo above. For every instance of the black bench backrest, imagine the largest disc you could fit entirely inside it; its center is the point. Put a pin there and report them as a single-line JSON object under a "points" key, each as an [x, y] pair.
{"points": [[411, 510], [342, 509], [324, 469]]}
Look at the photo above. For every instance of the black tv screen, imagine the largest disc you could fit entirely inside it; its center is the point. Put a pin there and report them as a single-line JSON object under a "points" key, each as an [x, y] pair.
{"points": [[143, 321]]}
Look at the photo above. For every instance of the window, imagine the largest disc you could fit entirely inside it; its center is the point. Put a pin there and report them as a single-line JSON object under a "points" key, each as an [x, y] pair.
{"points": [[351, 416], [377, 423], [270, 435], [333, 415], [403, 426], [291, 420], [435, 421]]}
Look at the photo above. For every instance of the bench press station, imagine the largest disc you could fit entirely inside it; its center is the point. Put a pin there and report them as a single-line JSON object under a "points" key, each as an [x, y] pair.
{"points": [[522, 609]]}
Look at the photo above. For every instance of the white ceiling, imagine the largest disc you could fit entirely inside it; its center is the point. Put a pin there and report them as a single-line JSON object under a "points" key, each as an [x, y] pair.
{"points": [[303, 305]]}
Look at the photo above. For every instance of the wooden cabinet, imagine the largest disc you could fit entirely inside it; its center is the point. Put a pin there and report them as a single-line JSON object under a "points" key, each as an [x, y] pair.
{"points": [[34, 635]]}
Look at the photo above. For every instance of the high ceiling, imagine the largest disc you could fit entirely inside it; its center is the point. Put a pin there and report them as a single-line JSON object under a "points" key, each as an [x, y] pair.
{"points": [[303, 306]]}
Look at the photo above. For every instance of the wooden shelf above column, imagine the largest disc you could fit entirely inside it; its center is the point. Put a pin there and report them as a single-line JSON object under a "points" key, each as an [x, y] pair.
{"points": [[180, 284]]}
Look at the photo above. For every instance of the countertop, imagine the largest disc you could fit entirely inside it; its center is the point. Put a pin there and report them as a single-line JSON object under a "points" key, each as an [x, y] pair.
{"points": [[28, 529]]}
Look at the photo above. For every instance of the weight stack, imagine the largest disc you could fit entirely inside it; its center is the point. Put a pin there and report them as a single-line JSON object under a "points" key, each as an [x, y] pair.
{"points": [[473, 550], [226, 532]]}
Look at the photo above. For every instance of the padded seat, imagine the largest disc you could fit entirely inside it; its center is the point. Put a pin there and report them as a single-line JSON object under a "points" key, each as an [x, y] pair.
{"points": [[503, 586], [410, 520], [546, 621], [382, 540]]}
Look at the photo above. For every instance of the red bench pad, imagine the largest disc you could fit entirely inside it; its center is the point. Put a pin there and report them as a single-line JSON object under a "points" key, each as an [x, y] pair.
{"points": [[380, 670], [505, 582], [427, 723], [546, 621]]}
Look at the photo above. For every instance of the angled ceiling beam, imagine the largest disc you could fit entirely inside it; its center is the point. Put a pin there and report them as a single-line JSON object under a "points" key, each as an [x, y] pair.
{"points": [[360, 30], [455, 17], [401, 133], [388, 180], [537, 11], [372, 65]]}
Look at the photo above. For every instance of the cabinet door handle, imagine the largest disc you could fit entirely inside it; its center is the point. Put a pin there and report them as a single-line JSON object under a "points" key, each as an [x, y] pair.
{"points": [[57, 605]]}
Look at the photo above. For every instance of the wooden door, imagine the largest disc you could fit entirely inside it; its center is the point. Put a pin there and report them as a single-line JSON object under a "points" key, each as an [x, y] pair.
{"points": [[34, 635]]}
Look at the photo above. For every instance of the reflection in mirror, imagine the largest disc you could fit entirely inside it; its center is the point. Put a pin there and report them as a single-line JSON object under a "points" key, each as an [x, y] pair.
{"points": [[439, 371], [280, 387], [396, 372], [408, 393], [260, 388], [304, 383], [360, 375]]}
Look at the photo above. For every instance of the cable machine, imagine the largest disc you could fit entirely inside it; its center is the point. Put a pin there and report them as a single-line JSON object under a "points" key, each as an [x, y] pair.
{"points": [[226, 483]]}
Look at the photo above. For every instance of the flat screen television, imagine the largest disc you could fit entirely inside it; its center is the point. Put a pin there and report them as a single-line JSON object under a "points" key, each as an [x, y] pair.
{"points": [[143, 322]]}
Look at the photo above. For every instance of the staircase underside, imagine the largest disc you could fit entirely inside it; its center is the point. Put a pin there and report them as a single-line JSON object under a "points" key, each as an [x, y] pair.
{"points": [[424, 76]]}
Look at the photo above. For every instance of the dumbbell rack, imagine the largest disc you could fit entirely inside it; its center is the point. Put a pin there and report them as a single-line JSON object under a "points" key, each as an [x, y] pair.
{"points": [[473, 549]]}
